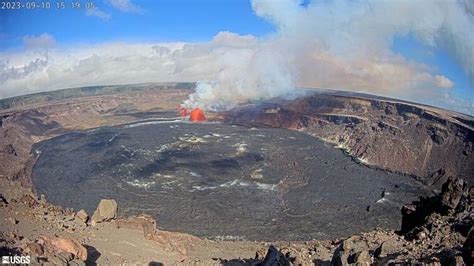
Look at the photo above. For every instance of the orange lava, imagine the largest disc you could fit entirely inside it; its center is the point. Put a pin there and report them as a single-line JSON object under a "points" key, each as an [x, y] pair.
{"points": [[197, 115], [182, 111]]}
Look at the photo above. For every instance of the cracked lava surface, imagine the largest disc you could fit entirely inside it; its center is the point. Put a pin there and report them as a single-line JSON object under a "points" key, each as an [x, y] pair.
{"points": [[222, 181]]}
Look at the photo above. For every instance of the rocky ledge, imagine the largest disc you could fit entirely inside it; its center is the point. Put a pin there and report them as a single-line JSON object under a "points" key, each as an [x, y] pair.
{"points": [[435, 230]]}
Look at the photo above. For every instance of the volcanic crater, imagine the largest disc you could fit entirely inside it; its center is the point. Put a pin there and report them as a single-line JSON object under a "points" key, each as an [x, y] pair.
{"points": [[322, 166], [222, 181], [325, 165]]}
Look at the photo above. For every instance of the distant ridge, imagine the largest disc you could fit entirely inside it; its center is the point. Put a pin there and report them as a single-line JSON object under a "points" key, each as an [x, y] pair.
{"points": [[47, 96]]}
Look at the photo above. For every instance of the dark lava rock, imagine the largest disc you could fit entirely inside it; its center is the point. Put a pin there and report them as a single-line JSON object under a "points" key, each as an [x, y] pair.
{"points": [[451, 193], [436, 240], [9, 149], [437, 134], [468, 248], [450, 257], [3, 117], [349, 251], [3, 201], [275, 258], [454, 197], [438, 177], [222, 181]]}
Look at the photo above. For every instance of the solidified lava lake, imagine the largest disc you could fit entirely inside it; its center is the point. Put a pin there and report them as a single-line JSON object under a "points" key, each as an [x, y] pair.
{"points": [[222, 181]]}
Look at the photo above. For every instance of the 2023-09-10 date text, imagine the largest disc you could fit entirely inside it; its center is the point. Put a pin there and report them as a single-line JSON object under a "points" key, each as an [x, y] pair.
{"points": [[33, 5]]}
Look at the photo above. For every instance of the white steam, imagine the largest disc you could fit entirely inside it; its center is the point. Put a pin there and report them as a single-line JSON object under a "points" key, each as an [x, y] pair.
{"points": [[246, 72], [342, 45]]}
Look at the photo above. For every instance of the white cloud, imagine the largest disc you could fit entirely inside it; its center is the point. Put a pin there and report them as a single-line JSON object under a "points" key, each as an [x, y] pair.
{"points": [[44, 40], [8, 73], [96, 12], [336, 44], [222, 61], [126, 6], [443, 82]]}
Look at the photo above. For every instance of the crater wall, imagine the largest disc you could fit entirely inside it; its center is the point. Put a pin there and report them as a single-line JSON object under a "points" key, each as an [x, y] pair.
{"points": [[428, 143]]}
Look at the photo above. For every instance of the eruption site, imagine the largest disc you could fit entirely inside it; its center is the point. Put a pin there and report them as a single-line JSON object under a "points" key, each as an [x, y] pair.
{"points": [[344, 45], [343, 134], [195, 114], [301, 173]]}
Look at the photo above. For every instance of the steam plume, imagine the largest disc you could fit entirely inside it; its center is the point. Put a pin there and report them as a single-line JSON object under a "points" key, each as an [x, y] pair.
{"points": [[342, 45]]}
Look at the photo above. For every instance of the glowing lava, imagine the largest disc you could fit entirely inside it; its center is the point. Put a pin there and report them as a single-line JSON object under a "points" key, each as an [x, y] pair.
{"points": [[183, 112], [197, 115]]}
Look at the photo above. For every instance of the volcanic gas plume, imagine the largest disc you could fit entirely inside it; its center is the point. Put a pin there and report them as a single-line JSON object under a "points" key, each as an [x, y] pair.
{"points": [[340, 45]]}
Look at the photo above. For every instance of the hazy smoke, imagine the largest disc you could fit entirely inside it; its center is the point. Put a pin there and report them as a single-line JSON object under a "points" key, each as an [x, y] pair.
{"points": [[342, 45]]}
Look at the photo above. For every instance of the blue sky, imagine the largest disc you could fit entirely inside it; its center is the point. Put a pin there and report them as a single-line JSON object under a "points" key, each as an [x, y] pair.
{"points": [[167, 21], [160, 20], [440, 60]]}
